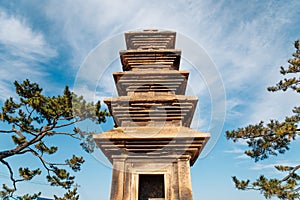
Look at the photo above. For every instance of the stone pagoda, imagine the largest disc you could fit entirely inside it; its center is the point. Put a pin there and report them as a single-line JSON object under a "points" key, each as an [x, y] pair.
{"points": [[151, 147]]}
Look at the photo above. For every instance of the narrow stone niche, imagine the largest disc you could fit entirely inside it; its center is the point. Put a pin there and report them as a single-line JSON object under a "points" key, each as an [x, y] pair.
{"points": [[151, 186]]}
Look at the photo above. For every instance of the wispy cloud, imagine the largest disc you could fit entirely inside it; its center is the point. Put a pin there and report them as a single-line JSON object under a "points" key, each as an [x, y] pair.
{"points": [[246, 46], [5, 91], [239, 151], [235, 151], [273, 106], [262, 166], [246, 40], [242, 156], [22, 52], [233, 108], [248, 51], [258, 166]]}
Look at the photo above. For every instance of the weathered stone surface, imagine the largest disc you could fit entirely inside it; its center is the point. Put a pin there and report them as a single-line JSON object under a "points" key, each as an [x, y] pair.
{"points": [[149, 109], [175, 173], [141, 60], [165, 141], [184, 176], [157, 82], [117, 185], [152, 146], [150, 39]]}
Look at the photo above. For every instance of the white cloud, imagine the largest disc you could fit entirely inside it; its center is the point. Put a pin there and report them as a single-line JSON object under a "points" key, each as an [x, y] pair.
{"points": [[273, 106], [246, 46], [20, 40], [242, 156], [235, 151], [246, 41], [89, 94], [232, 107], [22, 53], [262, 166], [5, 91], [88, 23], [247, 50], [271, 166], [240, 152]]}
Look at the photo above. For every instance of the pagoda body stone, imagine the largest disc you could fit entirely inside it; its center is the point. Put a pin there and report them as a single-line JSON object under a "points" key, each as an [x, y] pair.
{"points": [[151, 147]]}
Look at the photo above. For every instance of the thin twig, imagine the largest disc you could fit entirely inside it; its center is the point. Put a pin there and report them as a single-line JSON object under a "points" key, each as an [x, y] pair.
{"points": [[42, 161], [10, 172], [68, 124], [26, 130], [65, 133], [4, 131], [45, 161], [291, 173]]}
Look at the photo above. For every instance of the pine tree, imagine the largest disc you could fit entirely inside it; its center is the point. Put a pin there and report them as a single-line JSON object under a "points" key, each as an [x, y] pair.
{"points": [[273, 138], [34, 118]]}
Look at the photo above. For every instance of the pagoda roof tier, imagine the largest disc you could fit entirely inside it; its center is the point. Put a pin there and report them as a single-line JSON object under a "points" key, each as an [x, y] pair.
{"points": [[151, 109], [150, 59], [148, 39], [152, 142], [170, 81]]}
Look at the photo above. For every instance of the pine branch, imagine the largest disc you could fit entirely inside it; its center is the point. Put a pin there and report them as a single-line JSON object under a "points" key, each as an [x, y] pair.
{"points": [[73, 135], [291, 173], [67, 124], [10, 172], [7, 131], [45, 161], [273, 138], [36, 116]]}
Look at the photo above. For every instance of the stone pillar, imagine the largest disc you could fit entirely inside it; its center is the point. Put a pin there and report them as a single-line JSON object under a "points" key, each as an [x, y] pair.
{"points": [[184, 182], [117, 183], [174, 182], [129, 183]]}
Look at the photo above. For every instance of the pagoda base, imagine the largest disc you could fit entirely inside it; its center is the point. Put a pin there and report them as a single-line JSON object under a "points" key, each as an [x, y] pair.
{"points": [[144, 178], [151, 162]]}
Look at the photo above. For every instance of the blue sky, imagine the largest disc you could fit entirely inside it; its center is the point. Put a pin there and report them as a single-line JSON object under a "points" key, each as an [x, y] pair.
{"points": [[49, 42]]}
